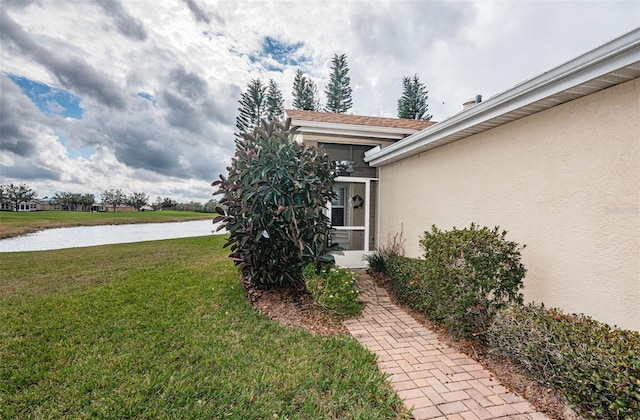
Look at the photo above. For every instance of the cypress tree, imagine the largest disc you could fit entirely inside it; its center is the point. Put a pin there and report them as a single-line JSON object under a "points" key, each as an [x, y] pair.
{"points": [[252, 108], [413, 102], [275, 102], [305, 93], [338, 90]]}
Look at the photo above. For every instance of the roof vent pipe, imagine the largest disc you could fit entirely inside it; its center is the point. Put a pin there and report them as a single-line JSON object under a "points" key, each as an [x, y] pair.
{"points": [[471, 102]]}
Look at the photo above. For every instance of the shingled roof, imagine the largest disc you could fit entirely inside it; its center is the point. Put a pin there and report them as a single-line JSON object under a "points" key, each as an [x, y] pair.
{"points": [[330, 117]]}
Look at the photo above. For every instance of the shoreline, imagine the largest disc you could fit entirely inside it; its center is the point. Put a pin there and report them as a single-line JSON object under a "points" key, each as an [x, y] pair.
{"points": [[8, 232]]}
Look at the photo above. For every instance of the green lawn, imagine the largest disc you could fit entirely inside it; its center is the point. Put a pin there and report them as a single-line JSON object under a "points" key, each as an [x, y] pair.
{"points": [[162, 330], [19, 223]]}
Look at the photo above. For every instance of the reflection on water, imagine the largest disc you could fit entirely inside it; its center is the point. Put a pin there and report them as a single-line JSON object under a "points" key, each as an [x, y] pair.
{"points": [[73, 237]]}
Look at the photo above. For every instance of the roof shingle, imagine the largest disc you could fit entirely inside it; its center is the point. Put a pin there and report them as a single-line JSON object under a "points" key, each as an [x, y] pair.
{"points": [[330, 117]]}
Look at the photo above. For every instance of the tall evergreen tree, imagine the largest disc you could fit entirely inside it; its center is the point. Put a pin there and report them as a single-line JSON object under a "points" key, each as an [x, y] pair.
{"points": [[338, 90], [275, 102], [412, 104], [253, 106], [305, 93]]}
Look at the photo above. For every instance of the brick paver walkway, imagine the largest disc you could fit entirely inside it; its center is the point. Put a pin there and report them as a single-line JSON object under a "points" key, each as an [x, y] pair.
{"points": [[432, 378]]}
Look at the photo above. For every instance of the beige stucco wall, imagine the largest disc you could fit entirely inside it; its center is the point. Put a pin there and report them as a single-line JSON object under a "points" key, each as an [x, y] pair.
{"points": [[565, 182]]}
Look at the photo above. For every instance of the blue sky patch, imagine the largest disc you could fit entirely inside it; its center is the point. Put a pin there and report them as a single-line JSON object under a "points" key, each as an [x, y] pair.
{"points": [[84, 152], [50, 100], [210, 34], [149, 97], [283, 53]]}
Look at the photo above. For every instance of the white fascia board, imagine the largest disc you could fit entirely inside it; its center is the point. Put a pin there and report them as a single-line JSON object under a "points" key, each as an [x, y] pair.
{"points": [[372, 152], [352, 130], [355, 179], [614, 55]]}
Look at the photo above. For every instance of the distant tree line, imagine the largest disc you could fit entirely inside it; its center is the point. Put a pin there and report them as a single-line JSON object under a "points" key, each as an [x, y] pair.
{"points": [[116, 197], [169, 204], [265, 101], [14, 194], [138, 200], [74, 201]]}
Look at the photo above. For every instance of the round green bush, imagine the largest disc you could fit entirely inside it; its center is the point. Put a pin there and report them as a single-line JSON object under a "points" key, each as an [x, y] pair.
{"points": [[469, 274]]}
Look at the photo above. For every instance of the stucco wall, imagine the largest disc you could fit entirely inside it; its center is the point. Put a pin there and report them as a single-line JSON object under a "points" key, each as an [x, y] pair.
{"points": [[565, 182]]}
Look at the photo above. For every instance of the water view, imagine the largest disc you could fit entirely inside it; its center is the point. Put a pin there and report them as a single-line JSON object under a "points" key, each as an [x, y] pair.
{"points": [[73, 237]]}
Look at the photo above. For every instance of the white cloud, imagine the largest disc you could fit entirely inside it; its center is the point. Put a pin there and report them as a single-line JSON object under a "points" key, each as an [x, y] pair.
{"points": [[179, 66]]}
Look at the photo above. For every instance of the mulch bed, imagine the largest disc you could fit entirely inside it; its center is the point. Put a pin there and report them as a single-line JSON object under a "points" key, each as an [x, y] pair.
{"points": [[295, 308]]}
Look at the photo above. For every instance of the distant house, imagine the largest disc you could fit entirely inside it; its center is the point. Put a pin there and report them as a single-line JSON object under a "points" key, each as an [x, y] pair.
{"points": [[555, 160], [47, 203], [102, 207], [36, 204], [31, 205], [109, 207]]}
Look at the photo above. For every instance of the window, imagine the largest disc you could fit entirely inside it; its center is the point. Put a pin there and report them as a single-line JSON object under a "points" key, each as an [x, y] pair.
{"points": [[338, 206], [352, 153]]}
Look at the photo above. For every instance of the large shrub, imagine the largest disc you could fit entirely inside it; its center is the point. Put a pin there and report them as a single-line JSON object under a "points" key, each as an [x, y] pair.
{"points": [[471, 273], [274, 195], [595, 366], [465, 277], [406, 278]]}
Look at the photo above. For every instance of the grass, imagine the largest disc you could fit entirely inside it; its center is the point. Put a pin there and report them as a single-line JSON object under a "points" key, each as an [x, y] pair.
{"points": [[20, 223], [162, 330]]}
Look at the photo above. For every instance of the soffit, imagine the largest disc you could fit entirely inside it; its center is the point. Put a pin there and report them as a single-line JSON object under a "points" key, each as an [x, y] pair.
{"points": [[612, 64], [486, 119], [567, 95], [592, 86]]}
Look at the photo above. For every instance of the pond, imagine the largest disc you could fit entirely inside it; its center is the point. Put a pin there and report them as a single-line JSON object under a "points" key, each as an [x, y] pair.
{"points": [[74, 237]]}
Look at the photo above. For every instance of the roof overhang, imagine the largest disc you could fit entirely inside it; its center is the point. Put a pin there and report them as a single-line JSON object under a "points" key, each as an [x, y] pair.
{"points": [[613, 63], [351, 130]]}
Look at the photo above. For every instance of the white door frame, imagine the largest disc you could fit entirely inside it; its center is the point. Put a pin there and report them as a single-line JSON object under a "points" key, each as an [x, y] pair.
{"points": [[356, 258]]}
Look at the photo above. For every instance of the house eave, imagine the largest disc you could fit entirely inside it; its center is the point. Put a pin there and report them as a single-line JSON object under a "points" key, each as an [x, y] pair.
{"points": [[351, 130], [608, 65]]}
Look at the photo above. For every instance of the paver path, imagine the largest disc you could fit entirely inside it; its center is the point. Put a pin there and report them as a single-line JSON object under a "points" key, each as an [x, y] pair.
{"points": [[434, 379]]}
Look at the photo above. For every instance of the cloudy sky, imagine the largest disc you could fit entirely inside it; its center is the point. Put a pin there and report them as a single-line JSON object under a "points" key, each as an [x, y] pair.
{"points": [[142, 95]]}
